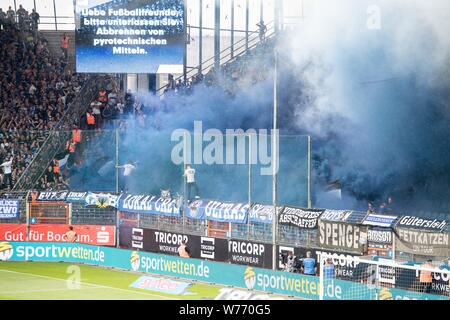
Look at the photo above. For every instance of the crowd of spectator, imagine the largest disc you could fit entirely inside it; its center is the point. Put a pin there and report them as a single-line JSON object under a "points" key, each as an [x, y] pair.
{"points": [[237, 74], [21, 19], [34, 93]]}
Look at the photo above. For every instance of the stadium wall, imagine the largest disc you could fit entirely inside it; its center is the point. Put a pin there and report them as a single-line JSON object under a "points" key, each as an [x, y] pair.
{"points": [[291, 284]]}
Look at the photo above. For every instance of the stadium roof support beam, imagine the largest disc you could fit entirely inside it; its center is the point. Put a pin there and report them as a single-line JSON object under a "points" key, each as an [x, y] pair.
{"points": [[217, 35], [200, 37], [232, 29], [247, 21]]}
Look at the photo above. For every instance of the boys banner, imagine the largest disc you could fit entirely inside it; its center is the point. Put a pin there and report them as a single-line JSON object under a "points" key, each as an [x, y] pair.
{"points": [[149, 204], [218, 211], [298, 217], [9, 208], [226, 274]]}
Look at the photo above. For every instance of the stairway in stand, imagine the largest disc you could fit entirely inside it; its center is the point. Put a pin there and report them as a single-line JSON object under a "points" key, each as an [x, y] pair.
{"points": [[54, 43]]}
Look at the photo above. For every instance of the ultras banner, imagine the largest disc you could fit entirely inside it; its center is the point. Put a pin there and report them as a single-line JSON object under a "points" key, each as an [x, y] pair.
{"points": [[300, 218], [422, 242], [218, 211]]}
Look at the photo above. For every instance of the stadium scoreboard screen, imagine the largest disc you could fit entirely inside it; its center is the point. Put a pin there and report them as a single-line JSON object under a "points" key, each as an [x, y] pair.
{"points": [[129, 36]]}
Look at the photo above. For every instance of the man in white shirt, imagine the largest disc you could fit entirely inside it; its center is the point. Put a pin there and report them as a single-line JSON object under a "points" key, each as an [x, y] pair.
{"points": [[7, 170], [189, 173], [128, 169]]}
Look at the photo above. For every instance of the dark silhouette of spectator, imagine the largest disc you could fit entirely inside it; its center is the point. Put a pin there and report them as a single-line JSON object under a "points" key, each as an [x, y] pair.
{"points": [[35, 19], [2, 19]]}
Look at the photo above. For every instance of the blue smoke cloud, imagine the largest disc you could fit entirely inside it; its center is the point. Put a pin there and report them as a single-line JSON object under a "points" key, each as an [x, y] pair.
{"points": [[375, 101]]}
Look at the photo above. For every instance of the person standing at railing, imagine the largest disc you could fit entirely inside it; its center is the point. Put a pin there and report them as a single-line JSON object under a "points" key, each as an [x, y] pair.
{"points": [[22, 15], [70, 236], [189, 173], [123, 180], [7, 170], [183, 250], [2, 19], [328, 269], [309, 265], [262, 30], [10, 17], [34, 20], [65, 45], [426, 277]]}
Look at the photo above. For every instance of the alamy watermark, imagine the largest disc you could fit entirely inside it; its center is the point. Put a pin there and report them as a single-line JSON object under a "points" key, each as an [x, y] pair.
{"points": [[232, 147]]}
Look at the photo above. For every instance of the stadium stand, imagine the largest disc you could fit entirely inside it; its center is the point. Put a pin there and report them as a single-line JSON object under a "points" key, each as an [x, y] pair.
{"points": [[35, 94]]}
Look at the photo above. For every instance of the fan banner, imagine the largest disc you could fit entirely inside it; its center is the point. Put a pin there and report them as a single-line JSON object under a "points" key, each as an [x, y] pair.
{"points": [[300, 218], [148, 204]]}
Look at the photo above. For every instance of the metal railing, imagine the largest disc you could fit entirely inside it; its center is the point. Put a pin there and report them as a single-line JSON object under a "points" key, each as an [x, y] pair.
{"points": [[236, 50], [57, 138]]}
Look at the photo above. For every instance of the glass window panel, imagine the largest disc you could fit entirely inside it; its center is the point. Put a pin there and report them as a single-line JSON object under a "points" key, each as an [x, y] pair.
{"points": [[5, 4], [47, 15], [26, 4], [254, 14], [268, 11], [65, 14]]}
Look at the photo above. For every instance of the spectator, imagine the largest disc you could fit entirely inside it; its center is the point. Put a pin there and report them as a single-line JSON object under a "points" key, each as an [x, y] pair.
{"points": [[49, 175], [128, 169], [290, 262], [183, 250], [189, 173], [90, 120], [445, 265], [426, 277], [70, 236], [70, 149], [35, 19], [370, 208], [328, 269], [309, 265], [62, 184], [262, 30], [103, 97], [7, 169], [22, 16], [2, 19], [55, 169], [10, 17], [65, 45]]}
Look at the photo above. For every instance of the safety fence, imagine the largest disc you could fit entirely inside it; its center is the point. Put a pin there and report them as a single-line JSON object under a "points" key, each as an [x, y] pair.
{"points": [[343, 232], [246, 277]]}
